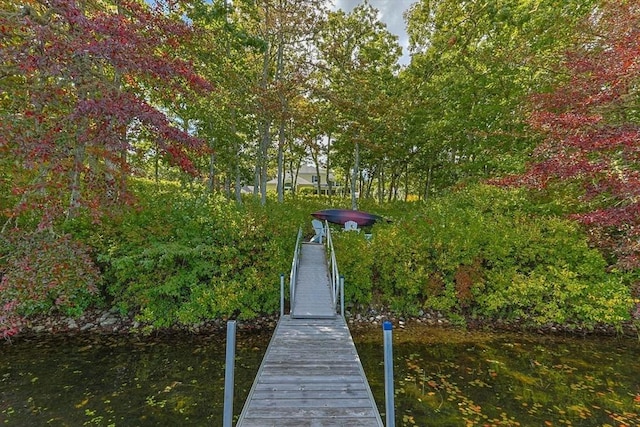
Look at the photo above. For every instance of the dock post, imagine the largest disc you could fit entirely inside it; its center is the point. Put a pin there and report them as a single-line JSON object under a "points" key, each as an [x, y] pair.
{"points": [[388, 374], [281, 294], [229, 374], [342, 296]]}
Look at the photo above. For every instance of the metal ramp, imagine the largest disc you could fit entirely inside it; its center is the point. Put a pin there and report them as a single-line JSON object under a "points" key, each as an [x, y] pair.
{"points": [[313, 299]]}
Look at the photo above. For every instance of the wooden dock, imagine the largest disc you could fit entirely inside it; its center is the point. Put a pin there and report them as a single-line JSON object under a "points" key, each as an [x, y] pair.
{"points": [[311, 375]]}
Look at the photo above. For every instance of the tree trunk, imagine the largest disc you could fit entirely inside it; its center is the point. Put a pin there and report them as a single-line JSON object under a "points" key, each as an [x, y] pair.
{"points": [[281, 141], [236, 145], [74, 199], [369, 184], [329, 183], [238, 181], [381, 183], [227, 186], [264, 153], [283, 111], [347, 182], [212, 173], [427, 186], [406, 182], [256, 177], [265, 140], [392, 185], [236, 162], [354, 177], [156, 164], [319, 186]]}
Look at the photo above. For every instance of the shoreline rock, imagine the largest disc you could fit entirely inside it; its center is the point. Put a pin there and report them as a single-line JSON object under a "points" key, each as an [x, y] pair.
{"points": [[110, 321]]}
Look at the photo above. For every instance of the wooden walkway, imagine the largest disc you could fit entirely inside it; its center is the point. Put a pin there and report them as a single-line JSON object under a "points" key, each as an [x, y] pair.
{"points": [[311, 375]]}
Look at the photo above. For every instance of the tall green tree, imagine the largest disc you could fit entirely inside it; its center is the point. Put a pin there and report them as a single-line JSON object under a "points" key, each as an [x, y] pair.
{"points": [[226, 50], [473, 66], [359, 58], [286, 28]]}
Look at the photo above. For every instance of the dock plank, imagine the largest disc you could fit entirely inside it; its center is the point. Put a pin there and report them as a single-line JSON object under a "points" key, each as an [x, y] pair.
{"points": [[311, 375]]}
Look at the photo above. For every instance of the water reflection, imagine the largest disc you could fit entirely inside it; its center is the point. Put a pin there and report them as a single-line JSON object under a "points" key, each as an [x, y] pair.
{"points": [[443, 378], [453, 378], [122, 381]]}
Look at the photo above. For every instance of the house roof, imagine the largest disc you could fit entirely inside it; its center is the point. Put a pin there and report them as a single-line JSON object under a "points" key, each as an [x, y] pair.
{"points": [[300, 180], [311, 170]]}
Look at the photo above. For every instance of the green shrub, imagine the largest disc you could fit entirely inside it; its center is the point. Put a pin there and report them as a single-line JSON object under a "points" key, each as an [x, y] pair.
{"points": [[183, 258], [353, 256], [485, 251]]}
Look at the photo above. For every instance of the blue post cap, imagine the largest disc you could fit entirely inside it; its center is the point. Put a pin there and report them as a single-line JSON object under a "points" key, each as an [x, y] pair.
{"points": [[387, 326], [281, 274]]}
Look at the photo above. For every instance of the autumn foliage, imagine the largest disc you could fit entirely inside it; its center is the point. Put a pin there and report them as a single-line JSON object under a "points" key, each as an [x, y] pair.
{"points": [[79, 90], [592, 124], [78, 84], [96, 92], [44, 272]]}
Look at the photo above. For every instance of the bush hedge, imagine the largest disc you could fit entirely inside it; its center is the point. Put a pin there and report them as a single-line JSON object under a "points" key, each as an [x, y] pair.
{"points": [[180, 257], [484, 252]]}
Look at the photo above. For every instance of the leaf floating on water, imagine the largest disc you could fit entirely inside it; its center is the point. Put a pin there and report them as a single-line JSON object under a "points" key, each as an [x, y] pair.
{"points": [[170, 387], [408, 419], [81, 404]]}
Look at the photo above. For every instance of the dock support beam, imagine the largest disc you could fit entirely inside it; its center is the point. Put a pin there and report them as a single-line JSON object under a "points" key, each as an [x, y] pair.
{"points": [[388, 374], [229, 374]]}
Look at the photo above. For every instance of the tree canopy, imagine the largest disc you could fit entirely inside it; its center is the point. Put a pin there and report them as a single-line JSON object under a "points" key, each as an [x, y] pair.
{"points": [[103, 90], [592, 127], [81, 83]]}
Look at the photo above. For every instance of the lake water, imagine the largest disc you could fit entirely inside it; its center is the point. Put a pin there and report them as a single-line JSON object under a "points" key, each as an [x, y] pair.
{"points": [[444, 377], [454, 378]]}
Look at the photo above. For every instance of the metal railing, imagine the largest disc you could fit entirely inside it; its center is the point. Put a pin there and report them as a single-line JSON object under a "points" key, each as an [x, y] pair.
{"points": [[294, 272], [337, 282]]}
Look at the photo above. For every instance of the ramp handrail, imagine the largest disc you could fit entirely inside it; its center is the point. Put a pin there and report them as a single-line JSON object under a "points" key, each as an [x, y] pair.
{"points": [[294, 271], [337, 290]]}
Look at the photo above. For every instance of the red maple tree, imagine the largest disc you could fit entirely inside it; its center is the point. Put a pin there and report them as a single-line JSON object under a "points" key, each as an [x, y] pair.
{"points": [[592, 123], [79, 78], [78, 81]]}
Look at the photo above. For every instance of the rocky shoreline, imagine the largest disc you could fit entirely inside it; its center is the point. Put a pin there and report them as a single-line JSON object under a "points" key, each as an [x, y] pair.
{"points": [[110, 321]]}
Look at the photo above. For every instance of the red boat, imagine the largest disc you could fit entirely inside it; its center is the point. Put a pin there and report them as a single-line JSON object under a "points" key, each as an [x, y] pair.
{"points": [[340, 216]]}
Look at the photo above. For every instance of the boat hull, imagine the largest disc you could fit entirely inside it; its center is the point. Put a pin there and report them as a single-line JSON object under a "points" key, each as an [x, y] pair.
{"points": [[340, 216]]}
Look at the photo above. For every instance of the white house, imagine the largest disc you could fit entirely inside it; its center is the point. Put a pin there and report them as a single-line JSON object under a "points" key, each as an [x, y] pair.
{"points": [[307, 177]]}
